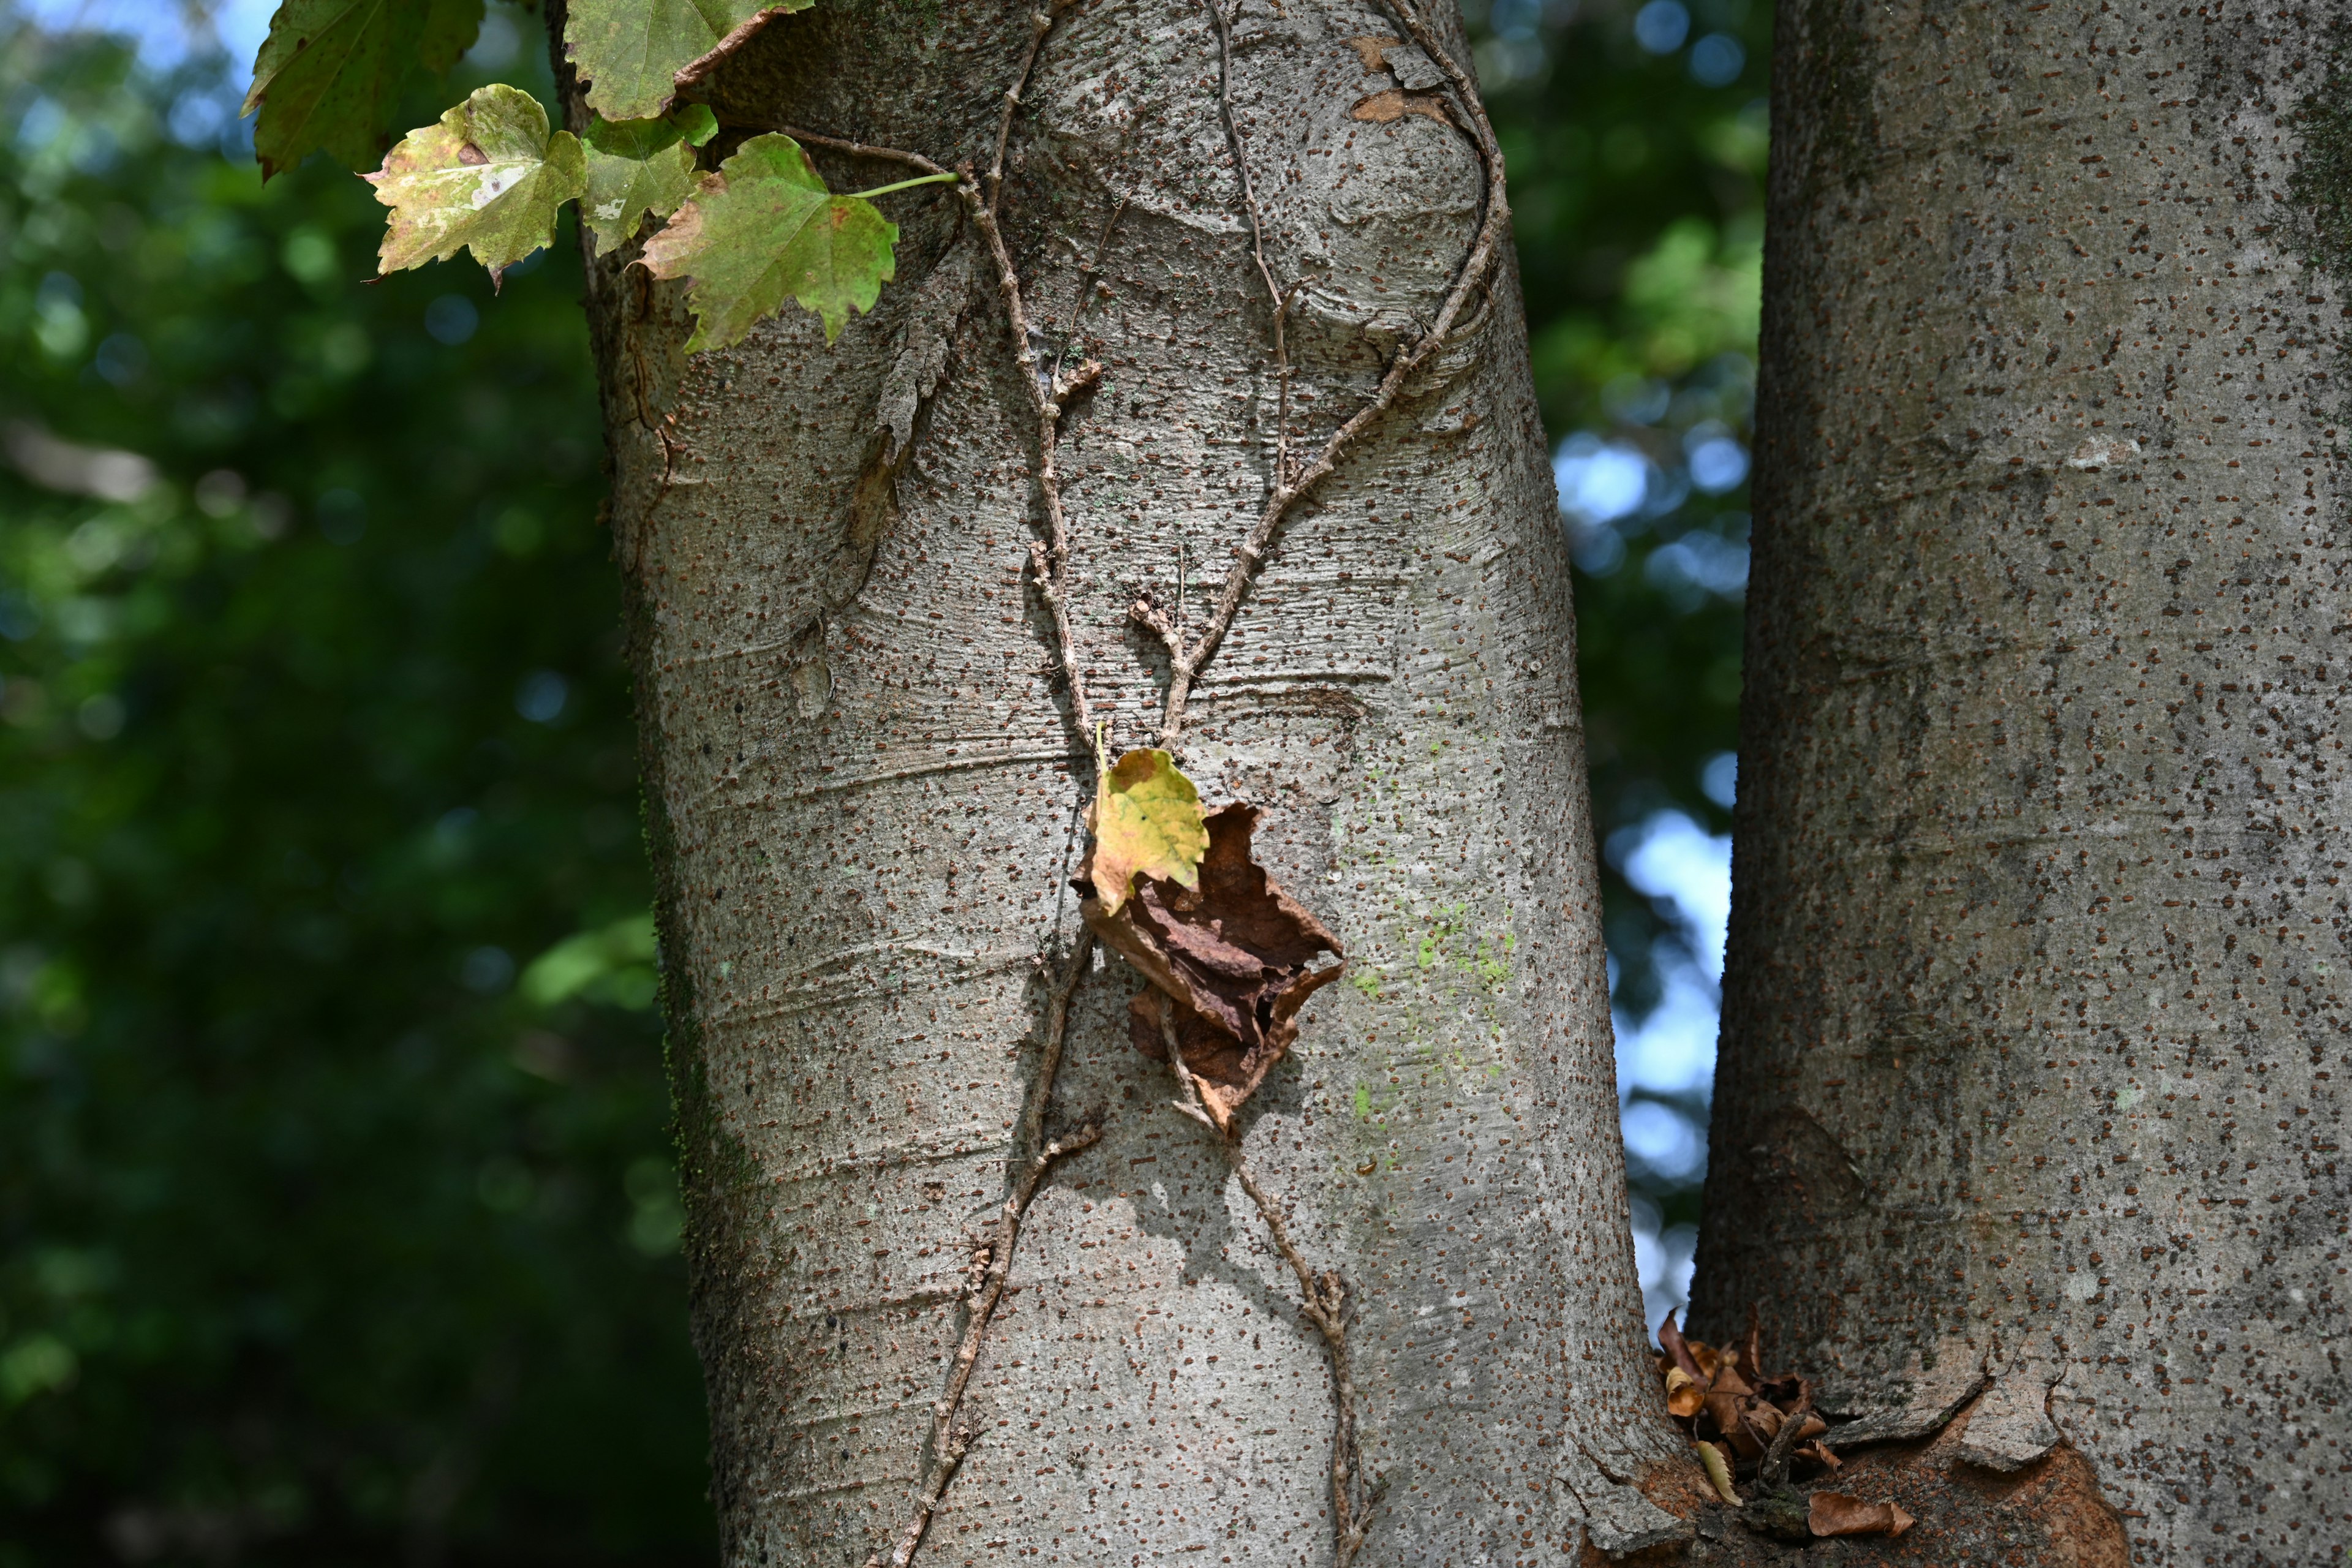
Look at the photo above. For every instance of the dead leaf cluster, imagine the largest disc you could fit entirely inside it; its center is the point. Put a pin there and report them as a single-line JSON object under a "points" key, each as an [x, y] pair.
{"points": [[1750, 1423], [1231, 959]]}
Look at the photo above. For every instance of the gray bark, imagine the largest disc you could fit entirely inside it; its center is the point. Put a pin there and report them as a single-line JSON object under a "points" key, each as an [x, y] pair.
{"points": [[2034, 1045], [864, 788]]}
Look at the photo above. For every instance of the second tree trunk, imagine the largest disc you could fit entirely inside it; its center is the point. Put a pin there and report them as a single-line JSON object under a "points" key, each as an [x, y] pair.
{"points": [[2035, 1043]]}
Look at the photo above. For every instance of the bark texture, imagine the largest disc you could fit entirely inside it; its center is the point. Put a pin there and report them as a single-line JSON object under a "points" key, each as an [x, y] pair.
{"points": [[863, 786], [2031, 1077]]}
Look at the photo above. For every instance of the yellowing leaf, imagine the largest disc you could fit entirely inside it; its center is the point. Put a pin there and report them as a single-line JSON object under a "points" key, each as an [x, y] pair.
{"points": [[639, 169], [328, 74], [631, 51], [486, 176], [764, 229], [1148, 822]]}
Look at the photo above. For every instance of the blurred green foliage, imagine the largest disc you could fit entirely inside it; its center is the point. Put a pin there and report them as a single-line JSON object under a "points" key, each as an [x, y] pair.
{"points": [[1634, 135], [335, 1217], [335, 1220]]}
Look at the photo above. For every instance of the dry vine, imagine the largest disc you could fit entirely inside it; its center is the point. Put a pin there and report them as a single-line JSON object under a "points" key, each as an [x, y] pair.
{"points": [[949, 1445], [1324, 1296]]}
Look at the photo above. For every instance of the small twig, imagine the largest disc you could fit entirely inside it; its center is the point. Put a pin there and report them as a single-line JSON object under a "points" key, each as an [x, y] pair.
{"points": [[855, 149], [1086, 294], [1773, 1472], [1323, 1298], [946, 1445], [696, 71], [1274, 294], [1040, 23], [1493, 226], [1048, 561]]}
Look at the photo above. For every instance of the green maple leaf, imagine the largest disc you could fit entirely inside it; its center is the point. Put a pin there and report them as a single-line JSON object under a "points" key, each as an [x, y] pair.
{"points": [[328, 74], [1147, 821], [640, 168], [486, 176], [764, 229], [631, 51]]}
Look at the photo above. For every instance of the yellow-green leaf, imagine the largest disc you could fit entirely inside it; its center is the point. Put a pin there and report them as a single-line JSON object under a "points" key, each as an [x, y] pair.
{"points": [[328, 74], [1148, 822], [486, 176], [764, 229], [630, 51], [639, 169]]}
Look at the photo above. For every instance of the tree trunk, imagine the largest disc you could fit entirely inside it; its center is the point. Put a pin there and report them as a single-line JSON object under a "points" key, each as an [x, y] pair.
{"points": [[2033, 1006], [865, 778]]}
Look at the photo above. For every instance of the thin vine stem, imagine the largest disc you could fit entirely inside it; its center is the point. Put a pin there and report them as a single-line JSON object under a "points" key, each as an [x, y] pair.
{"points": [[947, 1444], [1040, 23], [945, 175], [1323, 1298], [1049, 559], [1275, 294], [1187, 660]]}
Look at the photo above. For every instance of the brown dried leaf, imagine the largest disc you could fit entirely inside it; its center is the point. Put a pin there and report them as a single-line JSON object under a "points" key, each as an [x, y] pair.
{"points": [[1230, 957], [1728, 1398], [1841, 1513], [1684, 1397], [1752, 1352], [1678, 1351], [1814, 1453]]}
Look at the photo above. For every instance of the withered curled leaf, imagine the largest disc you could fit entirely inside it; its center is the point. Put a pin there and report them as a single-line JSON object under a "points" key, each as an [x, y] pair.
{"points": [[1231, 957], [1727, 1398], [1684, 1397], [1678, 1351], [1842, 1513], [1720, 1395]]}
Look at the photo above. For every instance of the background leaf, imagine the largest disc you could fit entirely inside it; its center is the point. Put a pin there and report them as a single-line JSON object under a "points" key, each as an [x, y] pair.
{"points": [[328, 74], [485, 176], [764, 229], [630, 51]]}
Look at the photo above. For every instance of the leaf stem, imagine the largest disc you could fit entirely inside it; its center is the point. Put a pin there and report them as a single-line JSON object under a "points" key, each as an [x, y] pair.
{"points": [[946, 176]]}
